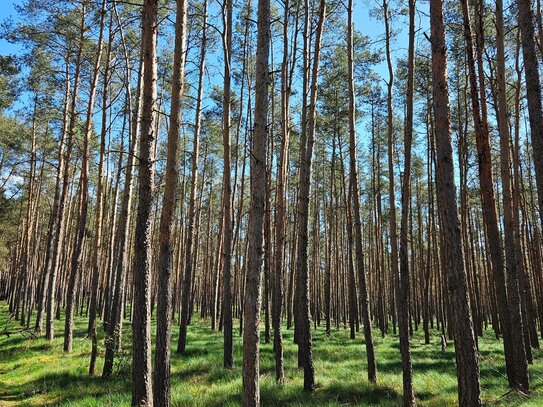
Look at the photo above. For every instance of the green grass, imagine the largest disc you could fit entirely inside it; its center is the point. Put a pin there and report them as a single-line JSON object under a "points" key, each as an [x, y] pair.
{"points": [[34, 372]]}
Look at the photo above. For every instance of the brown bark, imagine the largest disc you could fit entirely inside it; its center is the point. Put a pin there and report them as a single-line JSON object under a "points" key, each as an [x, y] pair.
{"points": [[83, 196], [99, 221], [508, 300], [280, 204], [533, 92], [353, 179], [393, 229], [161, 382], [142, 394], [402, 282], [306, 155], [228, 357], [114, 314], [465, 348], [252, 300], [53, 222], [61, 221], [511, 243]]}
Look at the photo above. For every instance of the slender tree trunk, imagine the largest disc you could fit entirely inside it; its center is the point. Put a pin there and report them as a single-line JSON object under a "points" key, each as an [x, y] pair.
{"points": [[122, 238], [533, 92], [280, 204], [402, 282], [161, 383], [331, 228], [99, 221], [511, 245], [509, 301], [190, 234], [297, 310], [53, 222], [467, 365], [368, 337], [304, 337], [227, 185], [25, 267], [83, 199], [393, 230], [142, 394], [251, 304]]}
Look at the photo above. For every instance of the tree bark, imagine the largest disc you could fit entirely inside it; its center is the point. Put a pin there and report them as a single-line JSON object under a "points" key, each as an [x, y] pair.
{"points": [[306, 155], [53, 222], [402, 278], [533, 92], [228, 356], [83, 198], [161, 383], [61, 221], [390, 150], [280, 204], [252, 301], [467, 365], [142, 394], [114, 316], [511, 245], [368, 337]]}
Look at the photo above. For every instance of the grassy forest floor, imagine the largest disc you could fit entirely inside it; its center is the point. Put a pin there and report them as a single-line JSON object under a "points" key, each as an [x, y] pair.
{"points": [[34, 372]]}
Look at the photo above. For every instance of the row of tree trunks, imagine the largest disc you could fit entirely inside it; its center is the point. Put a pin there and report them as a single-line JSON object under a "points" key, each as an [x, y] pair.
{"points": [[328, 245]]}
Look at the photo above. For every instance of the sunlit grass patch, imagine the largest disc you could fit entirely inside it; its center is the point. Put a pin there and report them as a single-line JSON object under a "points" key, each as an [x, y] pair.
{"points": [[35, 372]]}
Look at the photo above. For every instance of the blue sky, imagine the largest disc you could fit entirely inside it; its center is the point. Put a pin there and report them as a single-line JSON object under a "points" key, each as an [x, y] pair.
{"points": [[7, 10], [363, 23]]}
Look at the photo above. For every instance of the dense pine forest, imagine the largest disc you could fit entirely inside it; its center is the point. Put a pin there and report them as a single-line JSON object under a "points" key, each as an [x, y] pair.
{"points": [[271, 203]]}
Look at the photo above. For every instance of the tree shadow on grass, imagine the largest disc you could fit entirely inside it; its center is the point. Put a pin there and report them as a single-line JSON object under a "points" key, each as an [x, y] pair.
{"points": [[186, 374], [221, 375], [62, 387], [332, 394], [18, 354], [362, 394], [14, 339]]}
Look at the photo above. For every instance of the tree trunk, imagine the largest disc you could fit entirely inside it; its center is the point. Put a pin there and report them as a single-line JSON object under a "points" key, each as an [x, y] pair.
{"points": [[251, 304], [142, 394], [119, 268], [161, 383], [467, 365], [280, 204], [370, 354], [393, 230], [511, 245], [83, 199], [402, 282], [99, 221], [61, 221], [306, 155], [533, 92], [53, 222], [227, 185]]}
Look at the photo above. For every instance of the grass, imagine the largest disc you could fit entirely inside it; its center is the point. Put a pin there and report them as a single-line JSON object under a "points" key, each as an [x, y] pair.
{"points": [[35, 372]]}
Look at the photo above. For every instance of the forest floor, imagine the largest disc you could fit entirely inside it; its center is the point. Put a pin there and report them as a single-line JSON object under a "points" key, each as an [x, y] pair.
{"points": [[35, 372]]}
